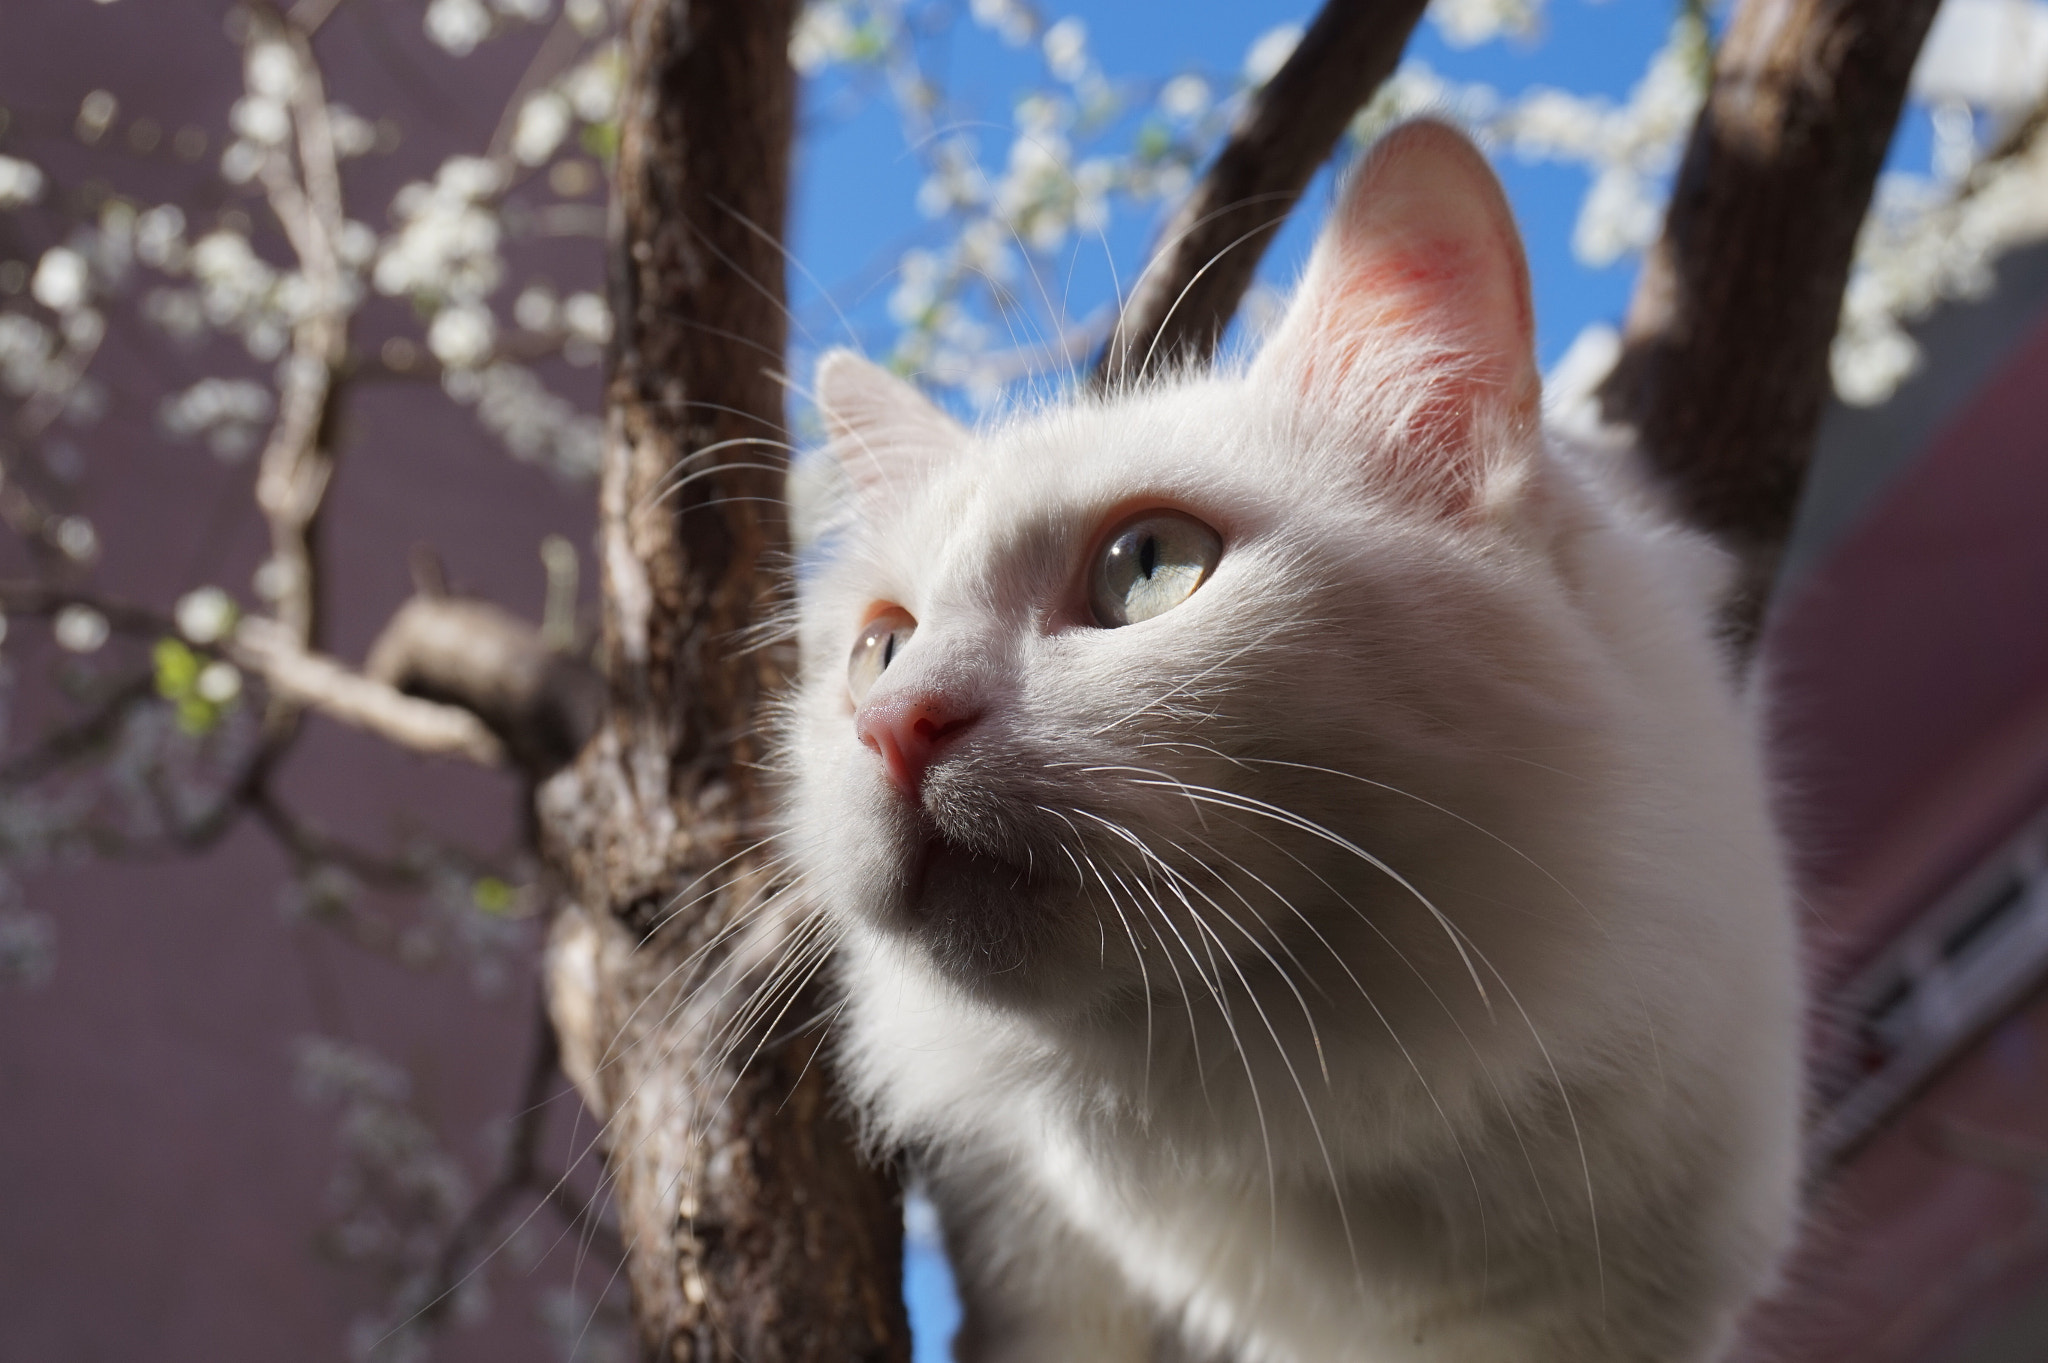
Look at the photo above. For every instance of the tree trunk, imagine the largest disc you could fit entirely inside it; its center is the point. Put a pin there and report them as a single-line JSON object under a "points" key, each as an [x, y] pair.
{"points": [[754, 1230], [1724, 364]]}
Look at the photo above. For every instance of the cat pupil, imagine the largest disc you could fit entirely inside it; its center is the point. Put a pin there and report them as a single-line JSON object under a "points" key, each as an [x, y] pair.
{"points": [[1148, 555]]}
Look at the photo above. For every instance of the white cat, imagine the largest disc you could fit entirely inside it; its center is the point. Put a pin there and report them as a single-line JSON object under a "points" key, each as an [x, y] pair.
{"points": [[1306, 883]]}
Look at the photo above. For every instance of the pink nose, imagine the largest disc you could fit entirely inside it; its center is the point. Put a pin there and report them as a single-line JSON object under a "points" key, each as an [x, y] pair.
{"points": [[909, 731]]}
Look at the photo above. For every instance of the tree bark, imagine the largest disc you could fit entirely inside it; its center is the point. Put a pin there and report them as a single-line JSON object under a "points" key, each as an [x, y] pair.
{"points": [[1181, 305], [1724, 366], [754, 1230]]}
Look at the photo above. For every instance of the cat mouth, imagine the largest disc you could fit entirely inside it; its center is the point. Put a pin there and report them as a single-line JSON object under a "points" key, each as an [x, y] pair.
{"points": [[943, 872]]}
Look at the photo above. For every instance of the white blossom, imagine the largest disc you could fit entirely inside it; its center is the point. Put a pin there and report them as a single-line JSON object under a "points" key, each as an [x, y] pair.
{"points": [[457, 26], [1922, 245], [225, 411], [824, 33], [531, 11], [81, 629], [160, 237], [447, 242], [76, 539], [587, 316], [238, 289], [83, 328], [592, 89], [95, 115], [461, 336], [218, 682], [1066, 49], [21, 182], [533, 423], [271, 70], [1467, 23], [177, 312], [544, 121], [535, 309], [205, 615], [1184, 97], [955, 180], [920, 278], [261, 120], [356, 244], [1012, 20], [1620, 216], [1269, 52], [1989, 53], [275, 579], [61, 280], [26, 352], [353, 134], [241, 161]]}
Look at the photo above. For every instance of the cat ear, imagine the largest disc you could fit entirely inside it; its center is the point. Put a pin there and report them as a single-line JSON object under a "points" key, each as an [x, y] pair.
{"points": [[1414, 311], [882, 430]]}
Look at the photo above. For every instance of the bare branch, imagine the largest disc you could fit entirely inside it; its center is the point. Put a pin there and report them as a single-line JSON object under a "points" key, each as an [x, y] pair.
{"points": [[85, 738], [269, 649], [1180, 306], [541, 703], [1724, 364], [519, 1171], [46, 599], [297, 463], [308, 847]]}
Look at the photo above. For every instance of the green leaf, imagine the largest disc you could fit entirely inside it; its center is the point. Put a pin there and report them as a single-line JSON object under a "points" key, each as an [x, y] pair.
{"points": [[177, 670], [492, 895], [601, 140], [197, 717]]}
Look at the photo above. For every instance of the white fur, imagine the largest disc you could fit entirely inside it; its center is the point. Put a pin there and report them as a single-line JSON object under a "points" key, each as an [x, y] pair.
{"points": [[1464, 1026]]}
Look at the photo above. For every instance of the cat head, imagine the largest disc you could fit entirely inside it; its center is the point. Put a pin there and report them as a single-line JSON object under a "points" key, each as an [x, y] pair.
{"points": [[1126, 684]]}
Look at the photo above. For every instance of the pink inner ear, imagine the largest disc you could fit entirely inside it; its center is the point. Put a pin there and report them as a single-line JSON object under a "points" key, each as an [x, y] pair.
{"points": [[1422, 250]]}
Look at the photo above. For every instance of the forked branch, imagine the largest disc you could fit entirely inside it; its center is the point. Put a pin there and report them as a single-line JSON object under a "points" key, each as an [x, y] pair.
{"points": [[1724, 366], [1181, 305]]}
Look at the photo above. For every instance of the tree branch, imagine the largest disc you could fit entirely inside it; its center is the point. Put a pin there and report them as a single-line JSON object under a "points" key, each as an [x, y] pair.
{"points": [[1724, 366], [269, 649], [83, 738], [542, 704], [519, 1171], [1180, 307]]}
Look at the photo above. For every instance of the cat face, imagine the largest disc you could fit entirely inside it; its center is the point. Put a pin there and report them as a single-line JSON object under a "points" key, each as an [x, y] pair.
{"points": [[1173, 680]]}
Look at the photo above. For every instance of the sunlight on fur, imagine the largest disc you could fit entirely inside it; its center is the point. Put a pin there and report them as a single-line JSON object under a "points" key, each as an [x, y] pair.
{"points": [[1362, 939]]}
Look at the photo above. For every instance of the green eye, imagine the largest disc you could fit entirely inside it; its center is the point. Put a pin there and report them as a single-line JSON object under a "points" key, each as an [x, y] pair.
{"points": [[881, 639], [1151, 564]]}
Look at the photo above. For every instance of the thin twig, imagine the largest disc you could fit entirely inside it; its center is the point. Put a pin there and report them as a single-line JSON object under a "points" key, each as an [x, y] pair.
{"points": [[518, 1172], [81, 739]]}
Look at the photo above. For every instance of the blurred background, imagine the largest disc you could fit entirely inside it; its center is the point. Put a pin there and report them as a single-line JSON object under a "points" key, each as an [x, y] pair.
{"points": [[273, 1080]]}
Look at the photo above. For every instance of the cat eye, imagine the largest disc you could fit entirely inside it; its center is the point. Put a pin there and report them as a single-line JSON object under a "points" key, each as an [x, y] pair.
{"points": [[1151, 564], [881, 639]]}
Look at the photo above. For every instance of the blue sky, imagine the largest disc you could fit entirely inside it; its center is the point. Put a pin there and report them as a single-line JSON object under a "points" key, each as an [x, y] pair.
{"points": [[857, 180]]}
